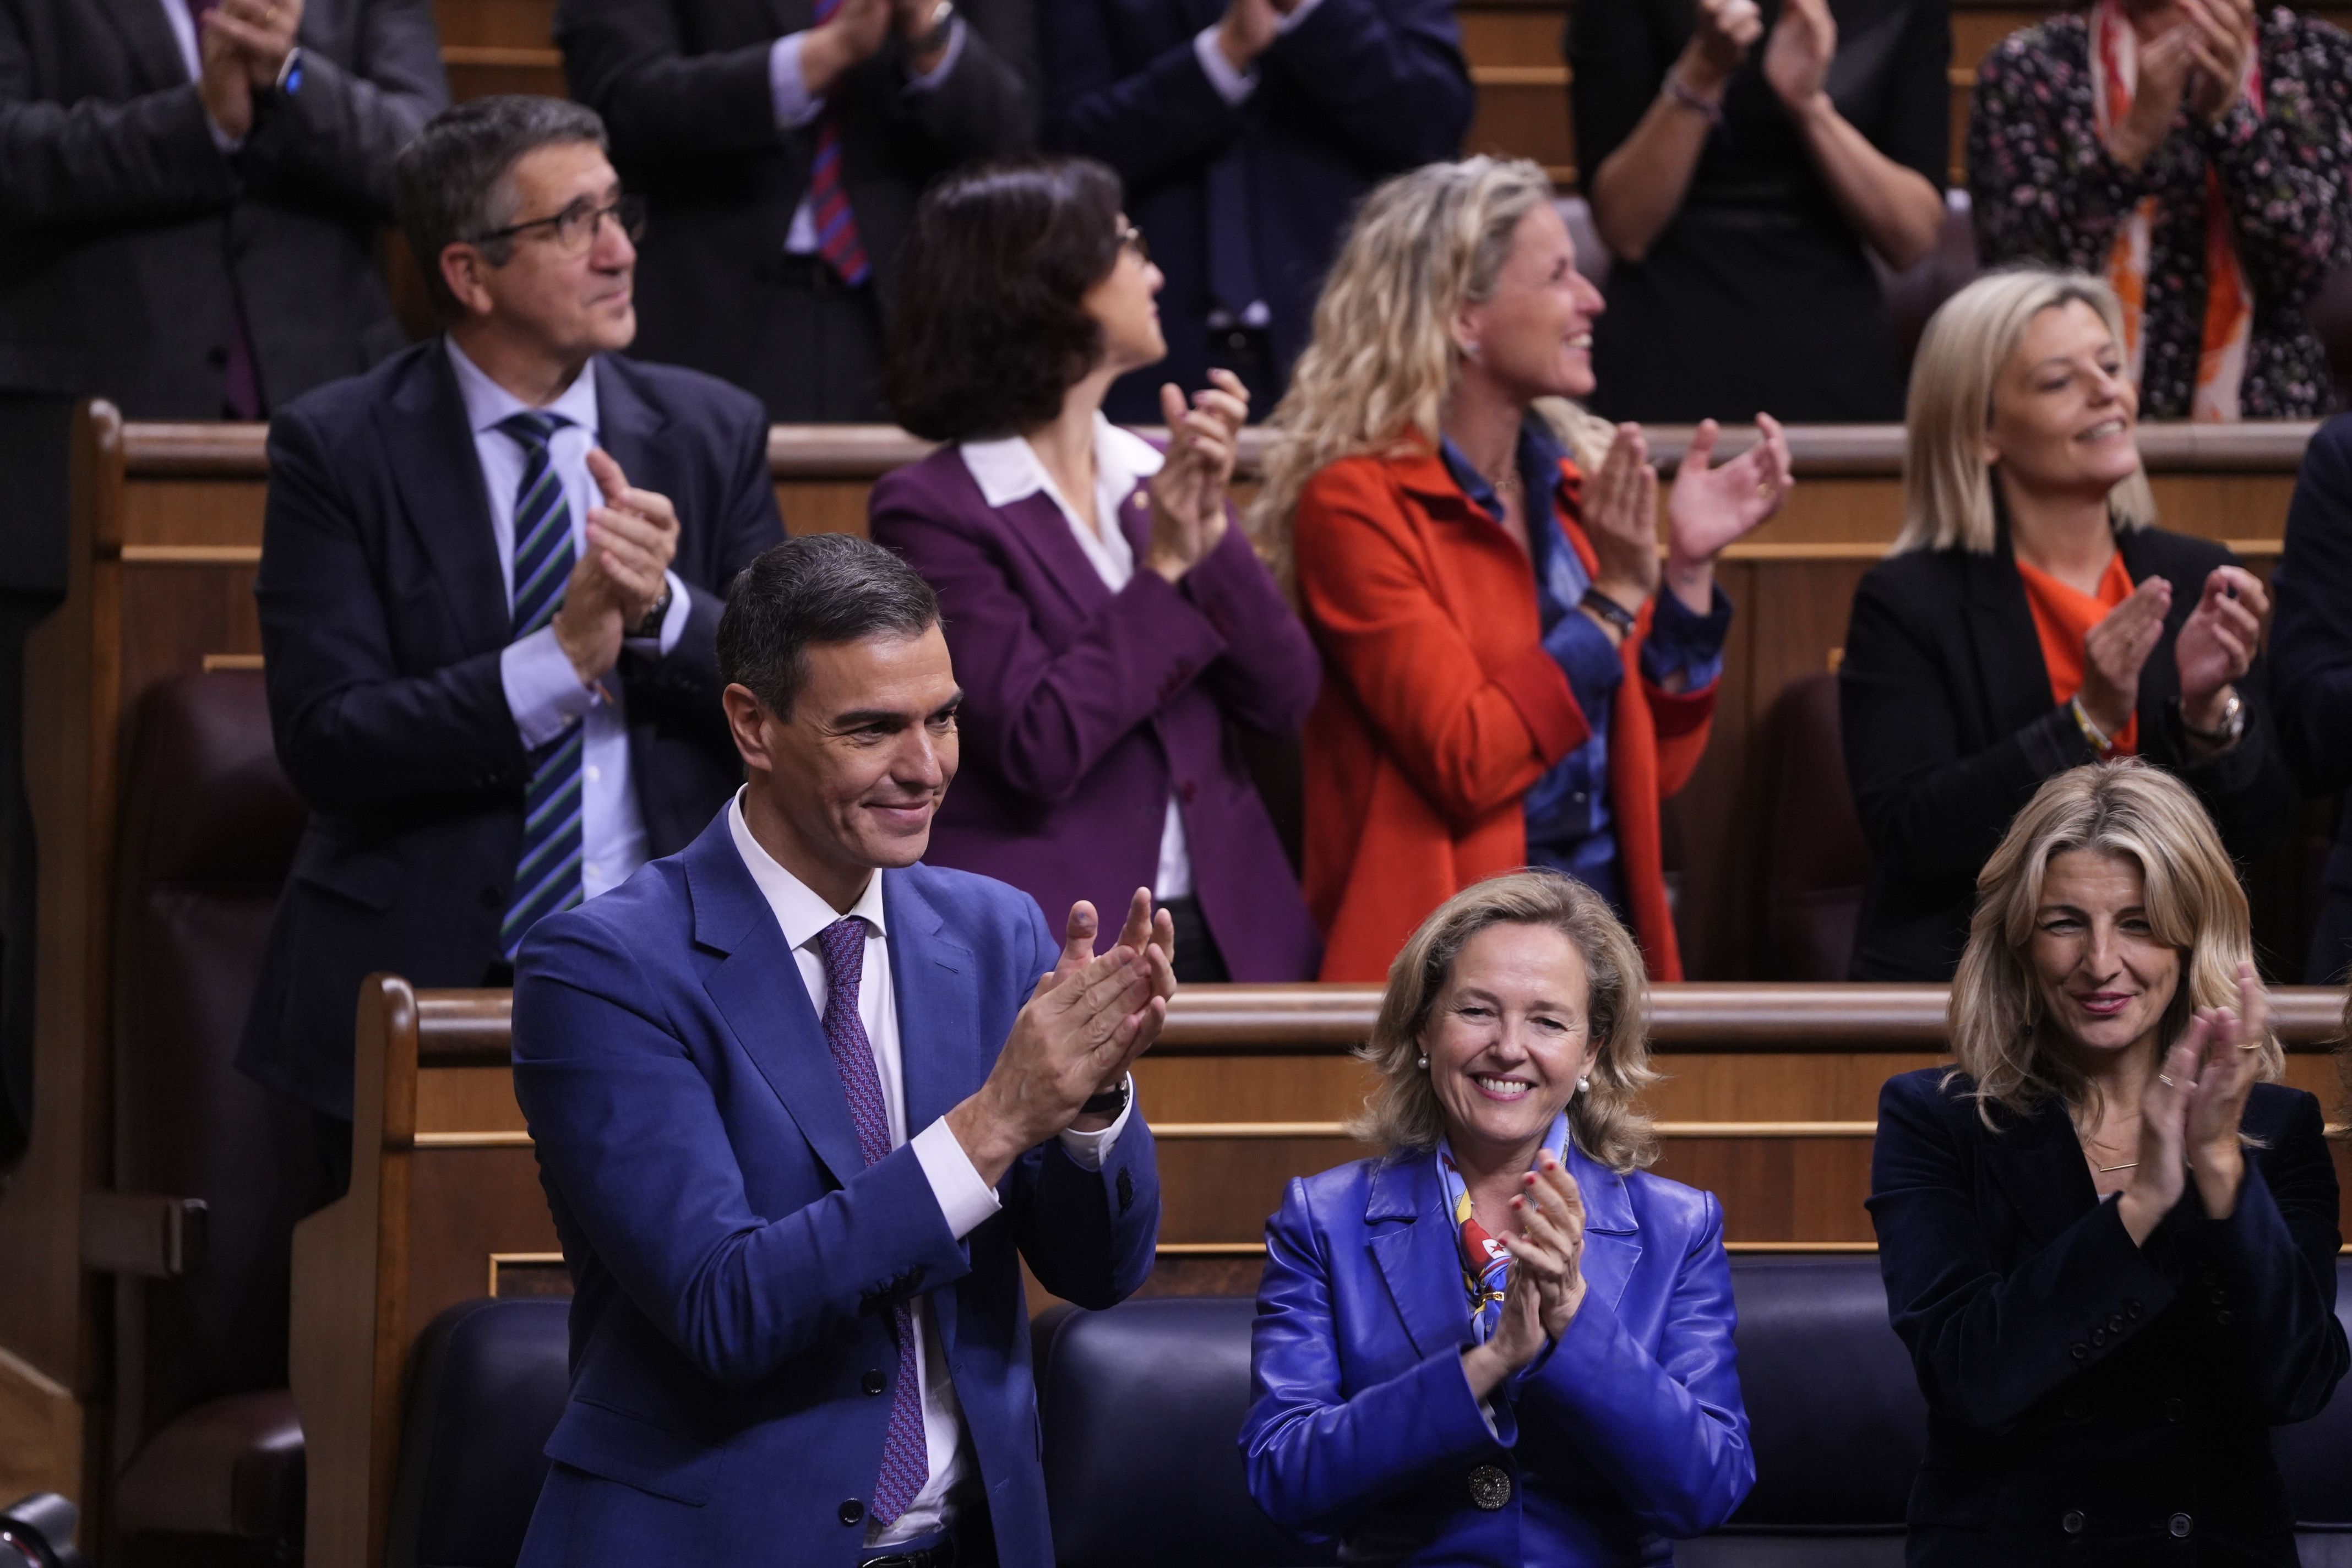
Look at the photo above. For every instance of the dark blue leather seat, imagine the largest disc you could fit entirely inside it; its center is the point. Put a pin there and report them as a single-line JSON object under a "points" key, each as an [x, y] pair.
{"points": [[1139, 1407], [488, 1381]]}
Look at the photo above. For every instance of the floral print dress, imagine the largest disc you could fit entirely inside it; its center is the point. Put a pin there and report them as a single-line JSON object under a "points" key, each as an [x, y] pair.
{"points": [[2044, 188]]}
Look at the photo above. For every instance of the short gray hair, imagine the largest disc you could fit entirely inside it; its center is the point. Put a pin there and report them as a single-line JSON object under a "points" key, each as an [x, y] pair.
{"points": [[450, 184], [818, 588]]}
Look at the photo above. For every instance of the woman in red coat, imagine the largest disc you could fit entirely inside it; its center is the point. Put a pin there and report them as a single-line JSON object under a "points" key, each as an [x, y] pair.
{"points": [[1505, 682]]}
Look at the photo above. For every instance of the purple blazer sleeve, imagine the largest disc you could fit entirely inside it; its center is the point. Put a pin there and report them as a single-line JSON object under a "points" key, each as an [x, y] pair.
{"points": [[1040, 715], [1269, 674]]}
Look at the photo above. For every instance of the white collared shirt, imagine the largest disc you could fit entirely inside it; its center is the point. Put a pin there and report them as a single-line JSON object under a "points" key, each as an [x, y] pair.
{"points": [[542, 690], [1008, 470], [965, 1201]]}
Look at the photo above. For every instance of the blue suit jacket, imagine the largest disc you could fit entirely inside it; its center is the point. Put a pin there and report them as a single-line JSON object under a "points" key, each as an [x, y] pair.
{"points": [[737, 1263], [1630, 1430], [1360, 90]]}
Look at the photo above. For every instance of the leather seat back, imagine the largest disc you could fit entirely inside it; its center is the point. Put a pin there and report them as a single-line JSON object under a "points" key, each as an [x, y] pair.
{"points": [[1815, 857], [2316, 1455], [489, 1381], [208, 829]]}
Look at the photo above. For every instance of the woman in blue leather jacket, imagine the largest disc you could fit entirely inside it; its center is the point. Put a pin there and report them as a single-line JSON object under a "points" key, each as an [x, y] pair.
{"points": [[1502, 1342]]}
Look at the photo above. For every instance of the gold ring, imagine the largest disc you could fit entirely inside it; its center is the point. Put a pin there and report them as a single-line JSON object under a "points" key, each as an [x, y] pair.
{"points": [[2166, 1078]]}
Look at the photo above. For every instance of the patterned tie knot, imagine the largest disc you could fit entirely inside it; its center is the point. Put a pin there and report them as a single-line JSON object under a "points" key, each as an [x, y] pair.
{"points": [[844, 945], [532, 429]]}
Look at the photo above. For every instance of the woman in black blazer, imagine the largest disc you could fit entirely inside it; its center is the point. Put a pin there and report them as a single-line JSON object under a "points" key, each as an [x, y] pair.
{"points": [[1972, 667], [2109, 1236]]}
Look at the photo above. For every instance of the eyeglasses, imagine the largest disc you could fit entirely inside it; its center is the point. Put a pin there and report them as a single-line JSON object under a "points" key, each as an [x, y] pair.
{"points": [[1131, 238], [575, 228]]}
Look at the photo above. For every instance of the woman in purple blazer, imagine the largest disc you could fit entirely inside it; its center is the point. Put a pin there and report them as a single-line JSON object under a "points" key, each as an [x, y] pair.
{"points": [[1109, 621]]}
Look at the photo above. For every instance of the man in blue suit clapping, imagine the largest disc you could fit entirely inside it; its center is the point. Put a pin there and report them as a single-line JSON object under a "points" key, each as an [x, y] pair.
{"points": [[801, 1105]]}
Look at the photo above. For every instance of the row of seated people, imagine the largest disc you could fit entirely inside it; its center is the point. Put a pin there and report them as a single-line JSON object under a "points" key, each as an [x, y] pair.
{"points": [[226, 167], [492, 574]]}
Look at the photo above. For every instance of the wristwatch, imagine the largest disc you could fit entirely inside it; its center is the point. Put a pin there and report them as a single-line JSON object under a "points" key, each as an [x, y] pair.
{"points": [[289, 73], [652, 625], [2225, 734], [1109, 1102]]}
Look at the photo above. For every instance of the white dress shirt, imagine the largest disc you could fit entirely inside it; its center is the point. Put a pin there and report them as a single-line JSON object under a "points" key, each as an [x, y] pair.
{"points": [[795, 106], [192, 55], [965, 1201], [543, 691], [1008, 470]]}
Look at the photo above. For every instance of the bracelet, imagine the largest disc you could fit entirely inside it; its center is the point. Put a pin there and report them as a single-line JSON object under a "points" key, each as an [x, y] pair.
{"points": [[1608, 610], [2096, 737], [1680, 92]]}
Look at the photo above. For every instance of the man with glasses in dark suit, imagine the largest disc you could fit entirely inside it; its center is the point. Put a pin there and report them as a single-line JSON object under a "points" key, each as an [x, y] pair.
{"points": [[489, 590]]}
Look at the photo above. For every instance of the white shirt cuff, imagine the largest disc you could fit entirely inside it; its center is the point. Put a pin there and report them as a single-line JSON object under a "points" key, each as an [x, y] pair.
{"points": [[788, 92], [938, 73], [1234, 87], [965, 1199], [673, 625], [1298, 12], [543, 691], [1088, 1150]]}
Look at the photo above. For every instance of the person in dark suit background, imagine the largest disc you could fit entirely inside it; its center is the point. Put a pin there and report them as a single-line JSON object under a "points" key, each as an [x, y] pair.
{"points": [[2030, 618], [497, 696], [2109, 1236], [1108, 622], [783, 147], [804, 1106], [192, 195], [1245, 131], [2311, 667]]}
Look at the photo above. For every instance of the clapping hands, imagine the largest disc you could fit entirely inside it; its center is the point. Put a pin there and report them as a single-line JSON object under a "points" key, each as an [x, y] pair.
{"points": [[241, 46], [632, 540], [1545, 1287], [1188, 493], [2190, 1114]]}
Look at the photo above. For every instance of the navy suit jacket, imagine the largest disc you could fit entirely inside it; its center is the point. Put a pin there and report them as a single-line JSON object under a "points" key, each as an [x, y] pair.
{"points": [[384, 615], [2072, 1375], [1085, 710], [1363, 1426], [737, 1264], [2311, 666], [1360, 90]]}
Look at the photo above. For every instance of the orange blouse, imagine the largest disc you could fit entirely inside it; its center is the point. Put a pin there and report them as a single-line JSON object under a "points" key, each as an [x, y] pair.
{"points": [[2062, 618]]}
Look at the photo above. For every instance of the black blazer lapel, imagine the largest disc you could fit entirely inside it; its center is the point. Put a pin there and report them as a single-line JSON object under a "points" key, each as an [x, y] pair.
{"points": [[2015, 681], [759, 991], [2037, 1161], [430, 448], [147, 35], [1415, 1249]]}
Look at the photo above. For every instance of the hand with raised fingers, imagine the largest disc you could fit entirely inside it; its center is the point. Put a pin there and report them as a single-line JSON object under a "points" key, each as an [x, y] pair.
{"points": [[1621, 518], [2220, 37], [1796, 56], [1725, 31], [2232, 1064], [2115, 650], [2216, 643], [262, 32], [2166, 64], [2161, 1174], [1552, 1214], [631, 538]]}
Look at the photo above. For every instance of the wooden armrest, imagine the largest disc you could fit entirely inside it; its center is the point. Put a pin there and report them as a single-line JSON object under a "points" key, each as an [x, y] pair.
{"points": [[141, 1234]]}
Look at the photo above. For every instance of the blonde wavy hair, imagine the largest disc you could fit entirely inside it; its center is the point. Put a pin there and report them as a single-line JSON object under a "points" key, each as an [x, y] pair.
{"points": [[1402, 1113], [1948, 496], [2000, 1035], [1383, 360]]}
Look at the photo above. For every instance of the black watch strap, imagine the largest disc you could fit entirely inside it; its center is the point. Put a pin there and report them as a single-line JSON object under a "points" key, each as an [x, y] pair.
{"points": [[1109, 1102], [652, 625], [1608, 610]]}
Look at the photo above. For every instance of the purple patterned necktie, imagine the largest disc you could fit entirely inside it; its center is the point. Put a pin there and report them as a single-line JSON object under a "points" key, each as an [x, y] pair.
{"points": [[906, 1459]]}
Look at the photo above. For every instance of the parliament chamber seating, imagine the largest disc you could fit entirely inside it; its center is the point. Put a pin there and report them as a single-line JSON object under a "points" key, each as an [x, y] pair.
{"points": [[210, 1172], [1140, 1407], [1815, 857]]}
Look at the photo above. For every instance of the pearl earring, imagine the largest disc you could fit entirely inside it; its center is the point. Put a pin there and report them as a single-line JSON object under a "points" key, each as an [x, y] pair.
{"points": [[1423, 1064], [1584, 1085]]}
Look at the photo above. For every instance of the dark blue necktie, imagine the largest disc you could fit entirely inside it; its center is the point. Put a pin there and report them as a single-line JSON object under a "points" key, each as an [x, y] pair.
{"points": [[547, 875]]}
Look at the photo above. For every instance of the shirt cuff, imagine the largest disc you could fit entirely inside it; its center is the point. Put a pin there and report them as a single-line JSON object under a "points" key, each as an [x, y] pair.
{"points": [[795, 106], [543, 691], [1684, 644], [673, 625], [965, 1199], [1234, 87], [1585, 655], [229, 145], [938, 73], [1091, 1150]]}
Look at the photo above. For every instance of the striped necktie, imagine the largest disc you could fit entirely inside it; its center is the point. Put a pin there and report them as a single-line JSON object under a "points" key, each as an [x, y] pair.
{"points": [[836, 225], [547, 875], [905, 1457]]}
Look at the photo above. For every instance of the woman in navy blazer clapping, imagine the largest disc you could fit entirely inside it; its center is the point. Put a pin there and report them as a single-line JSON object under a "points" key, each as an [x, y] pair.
{"points": [[1502, 1343], [1106, 619], [2109, 1236]]}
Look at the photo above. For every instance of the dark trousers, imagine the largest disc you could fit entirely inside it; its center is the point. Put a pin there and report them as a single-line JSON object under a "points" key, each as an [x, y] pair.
{"points": [[1198, 962]]}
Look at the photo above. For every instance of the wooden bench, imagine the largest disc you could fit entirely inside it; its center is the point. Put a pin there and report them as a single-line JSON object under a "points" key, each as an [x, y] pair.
{"points": [[1769, 1103]]}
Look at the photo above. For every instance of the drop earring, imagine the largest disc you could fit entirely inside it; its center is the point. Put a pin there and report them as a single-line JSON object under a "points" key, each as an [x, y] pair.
{"points": [[1423, 1064], [1584, 1085]]}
